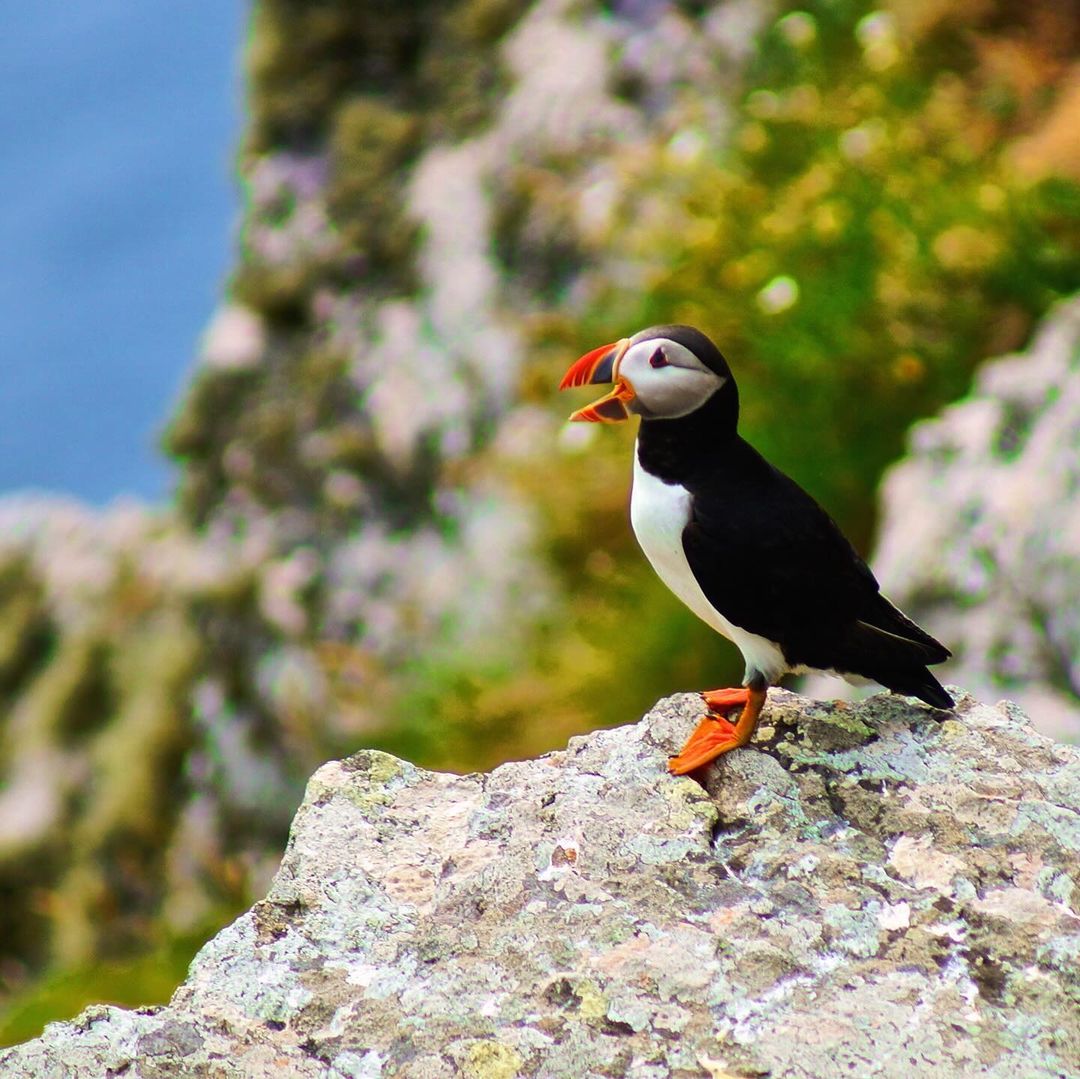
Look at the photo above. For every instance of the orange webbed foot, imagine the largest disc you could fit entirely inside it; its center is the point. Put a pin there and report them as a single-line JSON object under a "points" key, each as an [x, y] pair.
{"points": [[715, 736]]}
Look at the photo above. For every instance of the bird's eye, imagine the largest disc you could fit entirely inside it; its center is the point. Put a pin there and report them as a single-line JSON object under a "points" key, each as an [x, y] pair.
{"points": [[658, 359]]}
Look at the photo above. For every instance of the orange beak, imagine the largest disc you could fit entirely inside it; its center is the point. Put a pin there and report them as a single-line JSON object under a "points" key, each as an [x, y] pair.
{"points": [[600, 366]]}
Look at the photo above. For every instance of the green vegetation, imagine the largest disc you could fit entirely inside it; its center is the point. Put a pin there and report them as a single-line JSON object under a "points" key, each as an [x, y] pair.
{"points": [[147, 978], [863, 243], [862, 240]]}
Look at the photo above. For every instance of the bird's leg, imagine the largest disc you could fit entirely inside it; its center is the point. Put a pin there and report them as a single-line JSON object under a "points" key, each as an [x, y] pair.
{"points": [[715, 736]]}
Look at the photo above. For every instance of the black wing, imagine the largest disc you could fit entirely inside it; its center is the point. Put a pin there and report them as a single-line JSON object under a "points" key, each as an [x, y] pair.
{"points": [[773, 562]]}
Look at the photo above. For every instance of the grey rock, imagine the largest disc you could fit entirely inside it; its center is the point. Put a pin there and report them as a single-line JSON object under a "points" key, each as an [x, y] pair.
{"points": [[980, 535], [867, 890]]}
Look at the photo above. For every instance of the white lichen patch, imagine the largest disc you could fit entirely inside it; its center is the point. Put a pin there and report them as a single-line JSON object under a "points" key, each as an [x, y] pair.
{"points": [[915, 859]]}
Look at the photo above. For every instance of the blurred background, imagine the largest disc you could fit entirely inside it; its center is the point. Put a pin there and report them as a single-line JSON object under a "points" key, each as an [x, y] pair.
{"points": [[366, 522]]}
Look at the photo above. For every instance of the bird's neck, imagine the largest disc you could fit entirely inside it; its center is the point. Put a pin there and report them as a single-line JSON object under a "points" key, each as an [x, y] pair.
{"points": [[677, 450]]}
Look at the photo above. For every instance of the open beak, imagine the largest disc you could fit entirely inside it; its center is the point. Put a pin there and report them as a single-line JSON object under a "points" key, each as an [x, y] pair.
{"points": [[601, 366]]}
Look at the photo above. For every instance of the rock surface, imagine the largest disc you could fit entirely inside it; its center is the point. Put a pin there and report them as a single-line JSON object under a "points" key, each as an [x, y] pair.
{"points": [[869, 890]]}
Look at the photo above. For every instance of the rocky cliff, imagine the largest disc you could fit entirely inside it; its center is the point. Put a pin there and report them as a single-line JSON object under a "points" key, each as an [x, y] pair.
{"points": [[981, 527], [867, 890]]}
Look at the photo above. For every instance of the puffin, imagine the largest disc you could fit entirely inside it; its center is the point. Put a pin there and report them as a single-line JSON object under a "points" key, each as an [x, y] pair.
{"points": [[742, 544]]}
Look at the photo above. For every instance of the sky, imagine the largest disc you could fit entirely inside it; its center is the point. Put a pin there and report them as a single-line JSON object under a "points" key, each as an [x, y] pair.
{"points": [[118, 126]]}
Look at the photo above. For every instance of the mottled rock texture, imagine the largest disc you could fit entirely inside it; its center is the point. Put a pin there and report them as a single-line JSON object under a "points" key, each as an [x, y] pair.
{"points": [[869, 890], [981, 529]]}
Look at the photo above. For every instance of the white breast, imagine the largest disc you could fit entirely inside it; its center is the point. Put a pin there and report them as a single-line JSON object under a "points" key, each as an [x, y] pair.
{"points": [[658, 513]]}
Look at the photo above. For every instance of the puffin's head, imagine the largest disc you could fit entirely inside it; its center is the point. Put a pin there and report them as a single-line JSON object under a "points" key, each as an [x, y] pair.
{"points": [[661, 373]]}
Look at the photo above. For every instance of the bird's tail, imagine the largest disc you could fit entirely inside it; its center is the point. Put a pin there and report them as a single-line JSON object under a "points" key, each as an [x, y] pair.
{"points": [[917, 683]]}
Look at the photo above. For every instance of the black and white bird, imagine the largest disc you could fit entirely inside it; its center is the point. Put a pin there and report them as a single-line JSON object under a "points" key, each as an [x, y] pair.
{"points": [[741, 544]]}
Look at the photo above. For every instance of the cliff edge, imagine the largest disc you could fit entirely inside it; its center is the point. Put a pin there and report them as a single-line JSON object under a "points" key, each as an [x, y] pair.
{"points": [[867, 890]]}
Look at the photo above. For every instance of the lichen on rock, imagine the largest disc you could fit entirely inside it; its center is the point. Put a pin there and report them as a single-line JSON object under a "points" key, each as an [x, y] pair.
{"points": [[866, 889]]}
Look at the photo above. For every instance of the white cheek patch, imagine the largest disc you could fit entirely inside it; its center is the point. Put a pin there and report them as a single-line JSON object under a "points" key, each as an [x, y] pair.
{"points": [[671, 390]]}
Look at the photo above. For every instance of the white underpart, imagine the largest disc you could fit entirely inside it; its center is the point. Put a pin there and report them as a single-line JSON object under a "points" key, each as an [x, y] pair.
{"points": [[658, 513]]}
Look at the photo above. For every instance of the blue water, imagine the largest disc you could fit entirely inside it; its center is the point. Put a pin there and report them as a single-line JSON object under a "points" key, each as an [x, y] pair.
{"points": [[118, 121]]}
